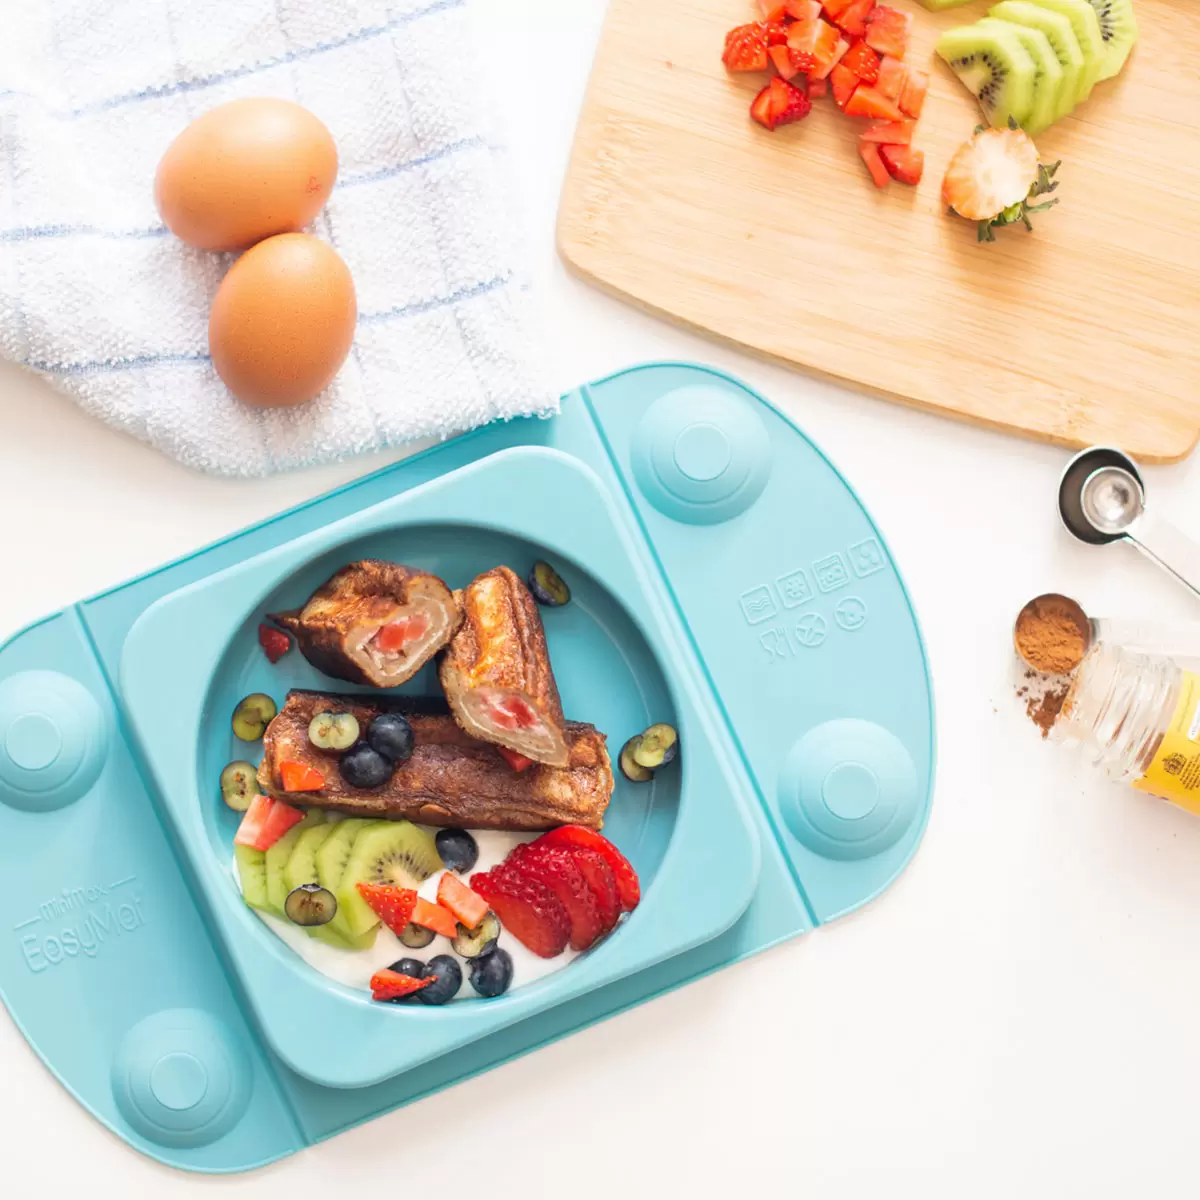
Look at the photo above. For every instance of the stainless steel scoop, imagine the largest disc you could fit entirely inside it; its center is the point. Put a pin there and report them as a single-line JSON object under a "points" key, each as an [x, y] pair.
{"points": [[1101, 499]]}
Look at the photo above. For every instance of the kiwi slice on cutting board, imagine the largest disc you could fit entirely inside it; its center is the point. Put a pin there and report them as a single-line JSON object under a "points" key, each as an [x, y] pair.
{"points": [[1086, 27], [1062, 41], [1118, 28], [1047, 79], [277, 859], [392, 853], [301, 867], [252, 875], [332, 857], [994, 67]]}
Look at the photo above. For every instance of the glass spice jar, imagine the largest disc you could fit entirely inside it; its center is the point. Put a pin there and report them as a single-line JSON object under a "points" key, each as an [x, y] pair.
{"points": [[1138, 716]]}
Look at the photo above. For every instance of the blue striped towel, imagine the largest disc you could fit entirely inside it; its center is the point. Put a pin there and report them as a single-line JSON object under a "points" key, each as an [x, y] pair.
{"points": [[97, 296]]}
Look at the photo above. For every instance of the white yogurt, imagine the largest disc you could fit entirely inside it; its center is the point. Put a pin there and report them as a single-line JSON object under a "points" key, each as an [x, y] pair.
{"points": [[354, 968]]}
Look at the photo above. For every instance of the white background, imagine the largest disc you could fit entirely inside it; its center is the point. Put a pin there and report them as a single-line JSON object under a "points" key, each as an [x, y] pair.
{"points": [[1018, 1016]]}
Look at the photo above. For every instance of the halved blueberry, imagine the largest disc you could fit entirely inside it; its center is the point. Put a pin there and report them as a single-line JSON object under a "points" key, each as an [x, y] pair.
{"points": [[547, 586], [310, 904]]}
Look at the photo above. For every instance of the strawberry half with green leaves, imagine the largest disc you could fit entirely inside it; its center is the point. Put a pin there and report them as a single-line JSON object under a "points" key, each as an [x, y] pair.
{"points": [[392, 905], [779, 103]]}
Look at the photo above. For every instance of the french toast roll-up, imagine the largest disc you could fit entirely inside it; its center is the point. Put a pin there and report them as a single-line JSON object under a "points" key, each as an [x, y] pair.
{"points": [[451, 779], [374, 623], [496, 670]]}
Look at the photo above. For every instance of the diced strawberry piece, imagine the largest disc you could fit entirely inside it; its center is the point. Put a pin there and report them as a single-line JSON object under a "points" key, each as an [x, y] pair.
{"points": [[776, 34], [600, 878], [813, 44], [760, 109], [818, 88], [803, 10], [889, 133], [822, 69], [781, 56], [580, 835], [557, 869], [835, 8], [391, 985], [853, 19], [843, 83], [862, 61], [887, 30], [912, 98], [903, 163], [396, 635], [265, 822], [300, 777], [892, 76], [746, 48], [434, 916], [779, 103], [528, 909], [772, 10], [870, 155], [518, 762], [275, 642], [868, 102], [392, 905], [453, 894]]}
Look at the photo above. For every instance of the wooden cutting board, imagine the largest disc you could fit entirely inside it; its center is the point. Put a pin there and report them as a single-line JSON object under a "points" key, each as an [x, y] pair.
{"points": [[1086, 331]]}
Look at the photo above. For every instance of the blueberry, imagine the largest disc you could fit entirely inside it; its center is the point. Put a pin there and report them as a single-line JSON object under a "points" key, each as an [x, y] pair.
{"points": [[408, 966], [391, 735], [492, 974], [416, 937], [362, 767], [457, 849], [449, 980]]}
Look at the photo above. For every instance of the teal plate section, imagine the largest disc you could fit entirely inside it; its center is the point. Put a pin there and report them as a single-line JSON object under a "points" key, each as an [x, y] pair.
{"points": [[725, 573]]}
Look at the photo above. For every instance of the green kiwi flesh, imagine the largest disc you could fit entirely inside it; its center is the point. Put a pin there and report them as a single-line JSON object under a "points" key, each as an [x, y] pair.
{"points": [[1062, 41], [1118, 28], [331, 866], [392, 853], [252, 875], [1047, 80], [301, 865], [1086, 27], [994, 67], [277, 860]]}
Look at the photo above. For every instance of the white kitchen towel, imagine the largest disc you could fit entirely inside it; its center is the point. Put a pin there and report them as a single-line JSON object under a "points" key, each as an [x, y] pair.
{"points": [[96, 295]]}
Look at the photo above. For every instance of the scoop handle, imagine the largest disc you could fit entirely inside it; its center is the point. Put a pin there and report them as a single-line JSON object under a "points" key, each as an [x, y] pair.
{"points": [[1173, 550]]}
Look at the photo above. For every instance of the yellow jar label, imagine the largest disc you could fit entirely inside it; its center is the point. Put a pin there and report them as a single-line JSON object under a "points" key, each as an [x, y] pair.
{"points": [[1174, 773]]}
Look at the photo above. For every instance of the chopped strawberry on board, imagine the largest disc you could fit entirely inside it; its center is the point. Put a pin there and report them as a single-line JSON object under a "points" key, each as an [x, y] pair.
{"points": [[265, 822], [869, 102], [453, 894], [781, 56], [903, 163], [892, 76], [889, 133], [300, 777], [870, 155], [887, 31], [804, 10], [843, 83], [779, 103], [862, 61], [275, 642], [853, 19], [434, 916], [814, 46], [912, 98], [516, 760], [746, 48], [527, 909], [580, 835], [818, 88], [392, 905], [835, 8], [772, 10], [391, 985]]}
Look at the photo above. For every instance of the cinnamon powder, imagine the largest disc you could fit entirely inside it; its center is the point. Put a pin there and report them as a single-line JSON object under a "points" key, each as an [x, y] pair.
{"points": [[1052, 635]]}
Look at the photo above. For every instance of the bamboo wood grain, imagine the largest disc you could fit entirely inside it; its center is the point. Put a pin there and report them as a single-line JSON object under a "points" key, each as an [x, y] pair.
{"points": [[1085, 331]]}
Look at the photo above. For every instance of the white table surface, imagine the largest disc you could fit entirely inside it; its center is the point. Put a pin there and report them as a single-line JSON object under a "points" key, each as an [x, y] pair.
{"points": [[1019, 1015]]}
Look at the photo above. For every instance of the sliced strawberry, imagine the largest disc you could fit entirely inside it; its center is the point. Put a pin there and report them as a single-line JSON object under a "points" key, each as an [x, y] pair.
{"points": [[746, 48], [265, 822], [580, 835], [395, 635], [843, 83], [889, 133], [600, 878], [392, 905], [818, 88], [453, 894], [893, 74], [862, 61], [557, 869], [990, 173], [912, 98], [434, 916], [903, 163], [781, 56], [772, 10], [300, 777], [803, 10], [813, 44], [518, 762], [760, 110], [835, 8], [776, 34], [853, 20], [887, 30], [528, 909], [779, 103], [868, 102], [870, 155], [275, 642], [391, 985]]}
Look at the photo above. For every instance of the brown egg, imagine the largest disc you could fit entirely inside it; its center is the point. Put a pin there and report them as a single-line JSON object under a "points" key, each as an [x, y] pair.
{"points": [[244, 171], [283, 321]]}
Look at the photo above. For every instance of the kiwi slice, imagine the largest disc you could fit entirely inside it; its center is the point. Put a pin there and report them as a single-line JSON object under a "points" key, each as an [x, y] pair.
{"points": [[1119, 30], [252, 875], [332, 857], [301, 867], [393, 853], [277, 859], [1086, 27], [1047, 79], [1062, 41], [994, 67]]}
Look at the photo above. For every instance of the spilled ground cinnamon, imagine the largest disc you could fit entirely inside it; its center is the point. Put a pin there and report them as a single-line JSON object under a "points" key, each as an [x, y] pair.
{"points": [[1052, 635]]}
